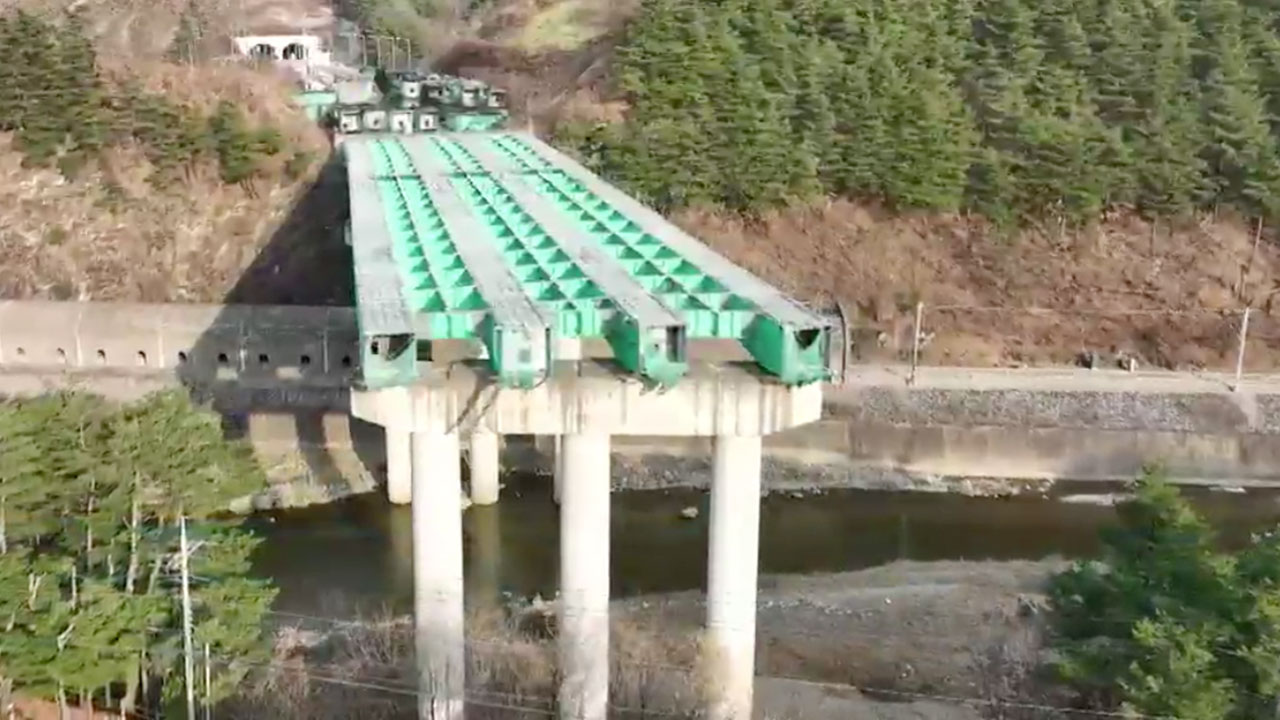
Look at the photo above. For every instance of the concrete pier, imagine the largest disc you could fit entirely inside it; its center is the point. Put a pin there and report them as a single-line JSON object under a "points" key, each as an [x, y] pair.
{"points": [[399, 467], [486, 468], [437, 576], [583, 406], [584, 577], [557, 469], [732, 567]]}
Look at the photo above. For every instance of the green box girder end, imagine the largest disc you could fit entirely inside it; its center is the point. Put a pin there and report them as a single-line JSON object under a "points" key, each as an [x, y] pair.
{"points": [[382, 316]]}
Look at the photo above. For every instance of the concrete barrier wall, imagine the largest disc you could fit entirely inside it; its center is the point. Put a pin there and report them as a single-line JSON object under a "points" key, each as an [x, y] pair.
{"points": [[202, 343]]}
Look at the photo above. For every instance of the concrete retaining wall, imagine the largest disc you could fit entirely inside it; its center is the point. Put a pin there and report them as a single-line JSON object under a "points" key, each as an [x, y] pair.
{"points": [[202, 342], [280, 377]]}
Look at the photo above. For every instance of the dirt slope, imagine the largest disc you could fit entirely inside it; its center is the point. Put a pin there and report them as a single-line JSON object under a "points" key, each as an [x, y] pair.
{"points": [[113, 235], [134, 29], [1170, 297]]}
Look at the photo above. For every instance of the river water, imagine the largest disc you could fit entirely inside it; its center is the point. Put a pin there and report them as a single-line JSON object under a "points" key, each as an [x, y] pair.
{"points": [[356, 555]]}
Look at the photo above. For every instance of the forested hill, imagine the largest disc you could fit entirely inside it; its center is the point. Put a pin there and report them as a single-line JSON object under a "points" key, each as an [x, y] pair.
{"points": [[1006, 107]]}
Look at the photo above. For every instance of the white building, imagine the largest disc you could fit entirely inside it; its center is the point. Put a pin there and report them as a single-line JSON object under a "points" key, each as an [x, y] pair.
{"points": [[301, 52]]}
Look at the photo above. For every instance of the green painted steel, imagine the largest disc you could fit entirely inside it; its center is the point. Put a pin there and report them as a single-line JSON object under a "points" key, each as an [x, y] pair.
{"points": [[316, 103], [797, 355], [649, 345], [592, 265]]}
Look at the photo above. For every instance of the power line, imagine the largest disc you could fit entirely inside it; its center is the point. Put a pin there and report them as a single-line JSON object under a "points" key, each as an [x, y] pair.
{"points": [[390, 686]]}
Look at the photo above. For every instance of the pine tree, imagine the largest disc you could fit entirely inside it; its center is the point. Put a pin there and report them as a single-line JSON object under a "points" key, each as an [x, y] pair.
{"points": [[85, 586], [750, 132], [813, 118], [1241, 151], [934, 142], [1170, 173]]}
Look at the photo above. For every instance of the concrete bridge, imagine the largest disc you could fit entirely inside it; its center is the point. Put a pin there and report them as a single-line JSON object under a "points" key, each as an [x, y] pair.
{"points": [[483, 265], [499, 242], [503, 290]]}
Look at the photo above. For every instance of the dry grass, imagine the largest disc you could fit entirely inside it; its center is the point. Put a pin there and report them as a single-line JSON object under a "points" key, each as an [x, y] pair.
{"points": [[511, 671], [880, 263], [113, 235], [129, 30]]}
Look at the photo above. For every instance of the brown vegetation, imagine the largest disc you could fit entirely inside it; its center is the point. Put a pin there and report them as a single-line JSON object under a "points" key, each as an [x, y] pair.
{"points": [[366, 670], [881, 643], [113, 235], [144, 29], [1171, 296]]}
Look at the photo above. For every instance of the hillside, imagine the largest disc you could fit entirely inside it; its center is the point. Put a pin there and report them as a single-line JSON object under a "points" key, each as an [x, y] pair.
{"points": [[891, 212], [1129, 258], [137, 178]]}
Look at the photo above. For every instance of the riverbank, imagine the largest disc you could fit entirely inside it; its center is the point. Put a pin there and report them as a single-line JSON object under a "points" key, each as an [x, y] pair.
{"points": [[906, 630], [904, 641], [978, 432]]}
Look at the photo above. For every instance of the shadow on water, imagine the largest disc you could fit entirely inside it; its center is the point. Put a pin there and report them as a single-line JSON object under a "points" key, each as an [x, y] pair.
{"points": [[356, 554], [289, 368]]}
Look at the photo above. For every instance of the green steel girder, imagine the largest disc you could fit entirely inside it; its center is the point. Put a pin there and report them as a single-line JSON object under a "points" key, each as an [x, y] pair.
{"points": [[647, 338], [498, 238], [719, 299], [466, 289]]}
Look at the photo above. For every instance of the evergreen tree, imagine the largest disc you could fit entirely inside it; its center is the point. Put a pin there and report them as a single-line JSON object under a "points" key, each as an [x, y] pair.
{"points": [[1170, 173], [813, 118], [92, 495], [1166, 625], [1241, 152], [1060, 107]]}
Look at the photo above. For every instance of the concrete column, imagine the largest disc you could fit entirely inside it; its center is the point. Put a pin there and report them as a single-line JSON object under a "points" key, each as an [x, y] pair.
{"points": [[484, 557], [399, 467], [485, 467], [584, 577], [557, 471], [732, 566], [437, 576]]}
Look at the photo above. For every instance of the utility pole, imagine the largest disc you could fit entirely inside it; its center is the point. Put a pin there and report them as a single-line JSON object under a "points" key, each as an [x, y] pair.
{"points": [[208, 685], [189, 659]]}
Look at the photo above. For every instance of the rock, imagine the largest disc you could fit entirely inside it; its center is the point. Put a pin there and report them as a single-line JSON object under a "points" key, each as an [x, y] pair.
{"points": [[689, 513]]}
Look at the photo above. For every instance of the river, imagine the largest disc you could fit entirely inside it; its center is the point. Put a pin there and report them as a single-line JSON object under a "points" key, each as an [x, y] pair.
{"points": [[356, 555]]}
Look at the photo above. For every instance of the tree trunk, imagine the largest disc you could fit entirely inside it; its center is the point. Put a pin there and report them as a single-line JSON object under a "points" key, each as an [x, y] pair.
{"points": [[155, 575], [129, 701], [88, 526], [131, 576]]}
